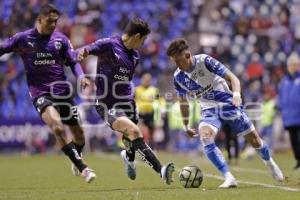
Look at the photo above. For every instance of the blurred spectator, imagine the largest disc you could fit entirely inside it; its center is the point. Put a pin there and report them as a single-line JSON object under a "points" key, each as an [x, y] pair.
{"points": [[145, 96], [267, 117], [289, 103]]}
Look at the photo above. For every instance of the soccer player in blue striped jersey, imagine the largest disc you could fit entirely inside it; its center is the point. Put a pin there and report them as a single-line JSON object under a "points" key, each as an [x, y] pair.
{"points": [[204, 78]]}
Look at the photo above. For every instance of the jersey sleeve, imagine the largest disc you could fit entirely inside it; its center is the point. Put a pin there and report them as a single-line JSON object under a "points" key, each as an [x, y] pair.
{"points": [[214, 66], [99, 46], [10, 45], [179, 90], [70, 54]]}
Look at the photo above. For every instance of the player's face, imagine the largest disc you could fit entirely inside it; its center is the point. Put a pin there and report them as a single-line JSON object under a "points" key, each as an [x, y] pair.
{"points": [[293, 67], [138, 41], [146, 80], [48, 23], [183, 60]]}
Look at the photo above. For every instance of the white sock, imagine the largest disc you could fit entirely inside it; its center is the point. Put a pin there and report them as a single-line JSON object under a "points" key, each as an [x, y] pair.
{"points": [[228, 175]]}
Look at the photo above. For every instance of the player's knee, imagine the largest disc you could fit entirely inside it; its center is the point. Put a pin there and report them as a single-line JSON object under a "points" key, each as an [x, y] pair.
{"points": [[134, 132], [256, 142], [254, 139], [58, 129], [206, 133], [206, 136]]}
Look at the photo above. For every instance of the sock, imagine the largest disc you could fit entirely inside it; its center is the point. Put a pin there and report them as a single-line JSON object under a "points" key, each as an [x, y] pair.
{"points": [[214, 154], [264, 152], [79, 147], [146, 154], [130, 152], [71, 152]]}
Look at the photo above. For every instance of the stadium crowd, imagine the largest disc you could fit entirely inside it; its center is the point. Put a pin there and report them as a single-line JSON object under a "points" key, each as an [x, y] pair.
{"points": [[252, 37]]}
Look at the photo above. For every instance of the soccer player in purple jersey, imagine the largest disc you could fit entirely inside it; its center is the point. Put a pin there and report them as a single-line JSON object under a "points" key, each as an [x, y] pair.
{"points": [[44, 52], [117, 60], [203, 77]]}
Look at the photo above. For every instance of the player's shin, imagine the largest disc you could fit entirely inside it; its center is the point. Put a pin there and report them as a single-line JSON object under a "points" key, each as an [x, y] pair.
{"points": [[214, 154], [263, 151], [130, 152], [146, 154], [79, 147], [72, 153]]}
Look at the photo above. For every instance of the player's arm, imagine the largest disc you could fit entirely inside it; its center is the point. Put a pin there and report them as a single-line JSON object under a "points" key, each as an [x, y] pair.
{"points": [[184, 108], [236, 87], [76, 68], [10, 44], [221, 70], [95, 48]]}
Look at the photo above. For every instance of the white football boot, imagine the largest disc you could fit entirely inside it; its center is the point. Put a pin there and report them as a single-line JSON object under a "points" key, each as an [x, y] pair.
{"points": [[129, 166], [276, 172], [88, 175], [229, 182], [167, 173]]}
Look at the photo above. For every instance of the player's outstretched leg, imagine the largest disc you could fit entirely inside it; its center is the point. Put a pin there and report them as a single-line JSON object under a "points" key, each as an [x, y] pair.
{"points": [[214, 154], [79, 143], [52, 118], [132, 132], [128, 157], [129, 165], [263, 151]]}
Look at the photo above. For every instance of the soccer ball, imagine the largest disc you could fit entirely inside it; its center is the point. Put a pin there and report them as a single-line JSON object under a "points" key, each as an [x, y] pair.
{"points": [[191, 177]]}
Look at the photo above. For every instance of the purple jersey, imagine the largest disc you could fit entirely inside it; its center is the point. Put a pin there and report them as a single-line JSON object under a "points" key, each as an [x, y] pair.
{"points": [[43, 57], [115, 69]]}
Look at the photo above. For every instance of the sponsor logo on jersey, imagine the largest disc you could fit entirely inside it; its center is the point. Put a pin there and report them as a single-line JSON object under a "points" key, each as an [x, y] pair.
{"points": [[124, 70], [201, 92], [43, 55], [30, 44], [44, 62], [117, 55], [122, 78], [135, 60]]}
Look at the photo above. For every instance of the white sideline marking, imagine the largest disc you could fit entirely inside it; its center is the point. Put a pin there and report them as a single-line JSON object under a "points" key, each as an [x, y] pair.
{"points": [[256, 183], [116, 158]]}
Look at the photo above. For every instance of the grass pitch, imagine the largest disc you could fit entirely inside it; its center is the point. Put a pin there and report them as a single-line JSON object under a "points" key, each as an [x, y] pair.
{"points": [[48, 177]]}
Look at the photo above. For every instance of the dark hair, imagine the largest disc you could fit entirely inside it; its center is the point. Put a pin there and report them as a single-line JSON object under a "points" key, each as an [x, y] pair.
{"points": [[137, 25], [48, 8], [177, 46]]}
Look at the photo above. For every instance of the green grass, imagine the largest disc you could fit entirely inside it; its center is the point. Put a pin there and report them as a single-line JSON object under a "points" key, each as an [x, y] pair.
{"points": [[48, 177]]}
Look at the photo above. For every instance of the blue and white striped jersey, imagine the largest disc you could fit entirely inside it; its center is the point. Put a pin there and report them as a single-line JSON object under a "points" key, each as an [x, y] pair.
{"points": [[205, 82]]}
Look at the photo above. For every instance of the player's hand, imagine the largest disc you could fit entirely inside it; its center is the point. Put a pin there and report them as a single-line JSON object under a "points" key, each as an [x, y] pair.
{"points": [[85, 82], [83, 53], [236, 99], [191, 132]]}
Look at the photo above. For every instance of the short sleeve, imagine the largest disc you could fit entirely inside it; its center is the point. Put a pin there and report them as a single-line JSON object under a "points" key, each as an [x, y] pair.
{"points": [[11, 44], [215, 66]]}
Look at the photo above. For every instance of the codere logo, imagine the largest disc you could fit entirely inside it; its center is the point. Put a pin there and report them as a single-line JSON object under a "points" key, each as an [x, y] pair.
{"points": [[122, 78], [44, 62]]}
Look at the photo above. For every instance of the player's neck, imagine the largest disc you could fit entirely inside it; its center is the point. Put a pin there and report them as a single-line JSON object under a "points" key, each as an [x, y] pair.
{"points": [[40, 30], [126, 42]]}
